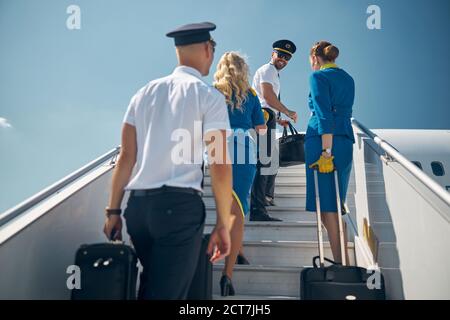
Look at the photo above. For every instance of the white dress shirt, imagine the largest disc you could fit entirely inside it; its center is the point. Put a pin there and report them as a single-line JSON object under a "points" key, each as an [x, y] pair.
{"points": [[266, 74], [171, 116]]}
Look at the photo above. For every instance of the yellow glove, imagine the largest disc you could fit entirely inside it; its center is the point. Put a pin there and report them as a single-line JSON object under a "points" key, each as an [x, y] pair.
{"points": [[266, 115], [325, 165]]}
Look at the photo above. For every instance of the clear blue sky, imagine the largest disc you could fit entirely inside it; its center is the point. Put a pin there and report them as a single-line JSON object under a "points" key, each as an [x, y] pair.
{"points": [[64, 92]]}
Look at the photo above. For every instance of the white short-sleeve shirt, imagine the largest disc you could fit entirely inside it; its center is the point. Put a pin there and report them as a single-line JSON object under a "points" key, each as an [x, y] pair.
{"points": [[171, 116], [266, 74]]}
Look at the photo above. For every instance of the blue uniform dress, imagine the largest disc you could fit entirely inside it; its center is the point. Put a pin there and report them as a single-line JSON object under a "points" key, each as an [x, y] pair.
{"points": [[242, 146], [330, 101]]}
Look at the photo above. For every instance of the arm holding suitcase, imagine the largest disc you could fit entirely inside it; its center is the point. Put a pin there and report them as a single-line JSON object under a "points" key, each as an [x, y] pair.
{"points": [[321, 102], [325, 163], [121, 176]]}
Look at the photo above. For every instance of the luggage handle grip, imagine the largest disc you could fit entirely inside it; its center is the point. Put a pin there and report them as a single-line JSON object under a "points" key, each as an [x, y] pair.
{"points": [[291, 128], [111, 236], [325, 259]]}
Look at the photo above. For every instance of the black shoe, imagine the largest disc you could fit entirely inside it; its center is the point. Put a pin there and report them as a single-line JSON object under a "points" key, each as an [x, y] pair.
{"points": [[262, 217], [270, 202], [242, 260], [226, 287]]}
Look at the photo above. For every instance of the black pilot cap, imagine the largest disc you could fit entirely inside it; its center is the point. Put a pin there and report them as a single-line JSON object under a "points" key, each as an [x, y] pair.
{"points": [[192, 33], [285, 46]]}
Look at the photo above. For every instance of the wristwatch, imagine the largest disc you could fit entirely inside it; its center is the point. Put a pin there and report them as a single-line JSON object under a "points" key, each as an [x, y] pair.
{"points": [[327, 150], [113, 211]]}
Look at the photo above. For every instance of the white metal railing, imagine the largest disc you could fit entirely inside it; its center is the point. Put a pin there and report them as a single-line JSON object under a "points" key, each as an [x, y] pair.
{"points": [[408, 165], [410, 221], [57, 186], [38, 246]]}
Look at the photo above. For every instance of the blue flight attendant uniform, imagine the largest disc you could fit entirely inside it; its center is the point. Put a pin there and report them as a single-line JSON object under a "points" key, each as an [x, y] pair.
{"points": [[330, 101], [242, 146]]}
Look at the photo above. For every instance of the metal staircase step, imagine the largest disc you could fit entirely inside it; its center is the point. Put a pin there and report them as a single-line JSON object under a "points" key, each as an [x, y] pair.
{"points": [[287, 253], [281, 200], [285, 179], [286, 215], [278, 251], [276, 231], [299, 175], [280, 187], [293, 209], [298, 188], [261, 280]]}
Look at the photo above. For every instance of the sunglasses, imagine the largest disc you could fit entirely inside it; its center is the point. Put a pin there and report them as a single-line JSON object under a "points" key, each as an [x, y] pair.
{"points": [[213, 45], [283, 56]]}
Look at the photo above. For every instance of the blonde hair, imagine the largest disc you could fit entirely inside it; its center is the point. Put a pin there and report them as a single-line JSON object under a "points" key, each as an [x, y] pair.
{"points": [[231, 78]]}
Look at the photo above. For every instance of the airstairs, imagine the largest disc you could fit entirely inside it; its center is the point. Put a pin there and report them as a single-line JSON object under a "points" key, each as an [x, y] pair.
{"points": [[401, 217], [277, 251]]}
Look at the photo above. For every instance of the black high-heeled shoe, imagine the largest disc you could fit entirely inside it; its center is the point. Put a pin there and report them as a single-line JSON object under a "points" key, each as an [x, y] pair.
{"points": [[226, 286], [242, 260]]}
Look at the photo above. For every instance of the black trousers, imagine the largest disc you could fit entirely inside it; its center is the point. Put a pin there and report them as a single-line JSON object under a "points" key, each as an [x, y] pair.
{"points": [[270, 186], [166, 231], [264, 184]]}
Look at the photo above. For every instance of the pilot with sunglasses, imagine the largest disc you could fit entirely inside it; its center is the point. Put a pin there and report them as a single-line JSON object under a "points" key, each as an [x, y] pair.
{"points": [[266, 83]]}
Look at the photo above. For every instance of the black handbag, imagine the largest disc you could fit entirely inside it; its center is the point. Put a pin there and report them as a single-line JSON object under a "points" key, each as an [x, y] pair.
{"points": [[291, 147]]}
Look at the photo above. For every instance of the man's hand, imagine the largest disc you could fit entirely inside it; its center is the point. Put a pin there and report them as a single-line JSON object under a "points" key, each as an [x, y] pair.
{"points": [[219, 243], [292, 114], [113, 227], [283, 123]]}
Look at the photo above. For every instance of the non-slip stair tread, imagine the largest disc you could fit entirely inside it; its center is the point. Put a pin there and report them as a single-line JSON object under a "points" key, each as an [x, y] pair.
{"points": [[259, 268], [209, 194], [285, 224], [288, 243], [261, 280], [273, 208], [277, 250]]}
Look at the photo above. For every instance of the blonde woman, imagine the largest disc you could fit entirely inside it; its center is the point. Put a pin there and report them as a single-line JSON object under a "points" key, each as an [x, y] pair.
{"points": [[244, 110]]}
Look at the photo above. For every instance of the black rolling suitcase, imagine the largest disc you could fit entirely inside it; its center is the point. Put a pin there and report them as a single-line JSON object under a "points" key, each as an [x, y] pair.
{"points": [[108, 272], [338, 281], [201, 286]]}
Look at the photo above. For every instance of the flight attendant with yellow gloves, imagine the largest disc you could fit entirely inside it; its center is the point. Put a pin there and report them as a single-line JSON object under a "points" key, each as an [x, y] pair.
{"points": [[329, 136]]}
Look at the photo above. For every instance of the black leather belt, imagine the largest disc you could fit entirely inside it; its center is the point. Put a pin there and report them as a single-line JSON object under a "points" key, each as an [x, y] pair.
{"points": [[164, 189]]}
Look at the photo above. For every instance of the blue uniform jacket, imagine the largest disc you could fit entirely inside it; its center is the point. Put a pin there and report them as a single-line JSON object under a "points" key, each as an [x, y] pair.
{"points": [[331, 101]]}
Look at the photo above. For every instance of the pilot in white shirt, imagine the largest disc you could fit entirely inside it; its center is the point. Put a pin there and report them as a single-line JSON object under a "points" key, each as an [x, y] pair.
{"points": [[158, 111], [266, 83], [165, 127], [267, 73]]}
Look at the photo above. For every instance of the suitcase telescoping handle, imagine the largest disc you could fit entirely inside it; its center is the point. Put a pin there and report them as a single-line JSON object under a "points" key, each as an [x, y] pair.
{"points": [[319, 219]]}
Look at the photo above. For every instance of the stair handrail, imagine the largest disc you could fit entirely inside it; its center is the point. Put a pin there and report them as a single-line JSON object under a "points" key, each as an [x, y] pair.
{"points": [[57, 186], [408, 165]]}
